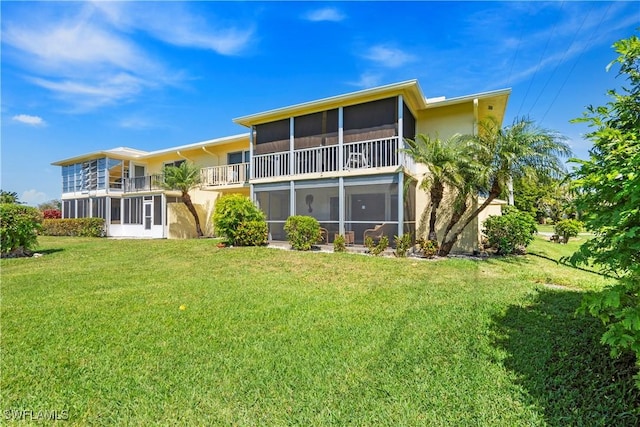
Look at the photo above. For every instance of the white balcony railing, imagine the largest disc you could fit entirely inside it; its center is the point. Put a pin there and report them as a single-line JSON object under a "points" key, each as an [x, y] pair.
{"points": [[270, 165], [225, 175], [143, 183], [375, 153]]}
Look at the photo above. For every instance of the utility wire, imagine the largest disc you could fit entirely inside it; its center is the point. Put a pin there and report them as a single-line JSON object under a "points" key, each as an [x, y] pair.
{"points": [[593, 33], [553, 31], [553, 73]]}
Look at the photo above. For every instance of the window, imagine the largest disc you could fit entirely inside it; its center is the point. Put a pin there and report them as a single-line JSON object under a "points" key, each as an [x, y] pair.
{"points": [[157, 210], [237, 157], [83, 208], [175, 164], [69, 208], [133, 210], [115, 211], [98, 208]]}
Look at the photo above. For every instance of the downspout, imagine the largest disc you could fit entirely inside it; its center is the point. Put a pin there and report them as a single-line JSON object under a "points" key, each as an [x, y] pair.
{"points": [[475, 116], [211, 154], [184, 157]]}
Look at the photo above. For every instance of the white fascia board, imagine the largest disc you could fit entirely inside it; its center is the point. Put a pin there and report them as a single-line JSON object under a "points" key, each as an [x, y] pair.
{"points": [[207, 143], [333, 100], [439, 102]]}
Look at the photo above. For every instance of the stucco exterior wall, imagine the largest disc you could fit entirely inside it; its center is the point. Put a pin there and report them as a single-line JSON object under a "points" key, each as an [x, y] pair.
{"points": [[180, 222], [446, 121], [213, 156]]}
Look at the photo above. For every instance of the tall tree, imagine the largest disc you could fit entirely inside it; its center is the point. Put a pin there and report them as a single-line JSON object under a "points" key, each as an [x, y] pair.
{"points": [[608, 191], [9, 197], [184, 178], [441, 159], [51, 204], [523, 148]]}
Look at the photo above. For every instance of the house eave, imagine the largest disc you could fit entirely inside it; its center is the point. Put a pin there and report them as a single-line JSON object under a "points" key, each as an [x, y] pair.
{"points": [[410, 90], [121, 153]]}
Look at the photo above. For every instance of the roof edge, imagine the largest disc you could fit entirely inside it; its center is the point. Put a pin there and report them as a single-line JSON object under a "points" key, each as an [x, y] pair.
{"points": [[404, 85]]}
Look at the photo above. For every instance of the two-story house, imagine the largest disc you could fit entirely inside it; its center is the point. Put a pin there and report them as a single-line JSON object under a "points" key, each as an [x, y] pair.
{"points": [[337, 159]]}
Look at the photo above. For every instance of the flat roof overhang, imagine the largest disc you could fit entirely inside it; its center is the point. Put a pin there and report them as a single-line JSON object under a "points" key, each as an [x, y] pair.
{"points": [[410, 90]]}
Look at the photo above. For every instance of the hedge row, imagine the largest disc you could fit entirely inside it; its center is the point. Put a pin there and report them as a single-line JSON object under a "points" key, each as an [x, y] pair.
{"points": [[83, 227]]}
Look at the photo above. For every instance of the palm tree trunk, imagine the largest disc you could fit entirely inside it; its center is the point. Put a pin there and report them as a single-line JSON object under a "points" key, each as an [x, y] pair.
{"points": [[455, 218], [186, 199], [437, 193], [448, 244]]}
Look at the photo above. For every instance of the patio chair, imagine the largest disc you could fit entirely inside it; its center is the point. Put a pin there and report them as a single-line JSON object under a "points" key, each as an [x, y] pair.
{"points": [[378, 231], [324, 236]]}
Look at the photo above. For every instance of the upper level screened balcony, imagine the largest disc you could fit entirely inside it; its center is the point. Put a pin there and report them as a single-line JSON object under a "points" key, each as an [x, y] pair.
{"points": [[366, 136], [375, 153]]}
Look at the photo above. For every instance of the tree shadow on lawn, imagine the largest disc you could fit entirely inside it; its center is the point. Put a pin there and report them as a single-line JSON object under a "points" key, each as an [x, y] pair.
{"points": [[564, 370]]}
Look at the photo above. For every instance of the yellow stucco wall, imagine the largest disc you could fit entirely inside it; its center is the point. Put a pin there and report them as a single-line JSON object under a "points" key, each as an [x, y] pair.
{"points": [[215, 155], [180, 222], [446, 121]]}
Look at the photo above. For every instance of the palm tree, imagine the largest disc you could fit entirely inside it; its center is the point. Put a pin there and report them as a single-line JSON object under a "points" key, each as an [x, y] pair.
{"points": [[505, 153], [184, 178], [441, 160]]}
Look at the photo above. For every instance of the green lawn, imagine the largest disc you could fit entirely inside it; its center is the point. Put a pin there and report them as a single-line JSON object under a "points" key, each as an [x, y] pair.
{"points": [[272, 337]]}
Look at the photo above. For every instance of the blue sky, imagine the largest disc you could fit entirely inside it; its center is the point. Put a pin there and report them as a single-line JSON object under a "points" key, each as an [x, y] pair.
{"points": [[84, 76]]}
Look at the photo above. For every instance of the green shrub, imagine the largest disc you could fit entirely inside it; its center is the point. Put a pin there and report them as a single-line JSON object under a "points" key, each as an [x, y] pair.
{"points": [[232, 210], [19, 227], [510, 233], [302, 231], [429, 248], [403, 243], [618, 309], [339, 244], [568, 228], [252, 233], [80, 227], [376, 249]]}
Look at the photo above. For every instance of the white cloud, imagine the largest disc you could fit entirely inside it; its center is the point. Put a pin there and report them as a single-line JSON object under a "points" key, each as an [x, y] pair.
{"points": [[88, 56], [367, 80], [389, 57], [327, 14], [33, 197], [175, 25], [137, 123], [29, 120], [87, 94]]}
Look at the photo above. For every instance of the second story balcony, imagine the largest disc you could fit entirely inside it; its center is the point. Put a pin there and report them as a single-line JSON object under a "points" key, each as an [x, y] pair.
{"points": [[143, 183], [375, 153], [225, 175]]}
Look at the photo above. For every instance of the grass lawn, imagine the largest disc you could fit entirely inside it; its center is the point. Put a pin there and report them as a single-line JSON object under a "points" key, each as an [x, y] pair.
{"points": [[166, 332]]}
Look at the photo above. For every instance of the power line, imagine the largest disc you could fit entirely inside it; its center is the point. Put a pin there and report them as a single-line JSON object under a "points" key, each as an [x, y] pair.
{"points": [[553, 73], [553, 31], [593, 33]]}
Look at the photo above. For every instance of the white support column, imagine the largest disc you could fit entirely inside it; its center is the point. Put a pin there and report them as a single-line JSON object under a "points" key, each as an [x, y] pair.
{"points": [[251, 158], [340, 140], [291, 145], [400, 123], [341, 205], [107, 214], [475, 116], [400, 203], [292, 198]]}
